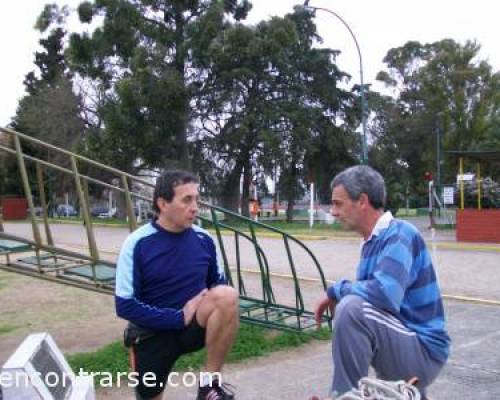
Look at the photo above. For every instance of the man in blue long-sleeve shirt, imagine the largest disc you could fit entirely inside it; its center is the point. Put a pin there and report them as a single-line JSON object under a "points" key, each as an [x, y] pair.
{"points": [[171, 289], [392, 316]]}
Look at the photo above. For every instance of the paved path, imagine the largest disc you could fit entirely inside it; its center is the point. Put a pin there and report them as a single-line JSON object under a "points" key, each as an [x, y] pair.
{"points": [[473, 371], [463, 269]]}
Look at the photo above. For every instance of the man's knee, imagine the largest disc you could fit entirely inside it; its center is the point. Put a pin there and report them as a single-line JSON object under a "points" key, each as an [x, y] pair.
{"points": [[348, 309], [224, 296]]}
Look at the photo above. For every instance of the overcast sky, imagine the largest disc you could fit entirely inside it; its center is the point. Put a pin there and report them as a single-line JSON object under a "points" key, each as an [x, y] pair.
{"points": [[378, 25]]}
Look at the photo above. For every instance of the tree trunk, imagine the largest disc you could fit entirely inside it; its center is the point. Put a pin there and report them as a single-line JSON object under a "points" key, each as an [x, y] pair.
{"points": [[291, 191], [121, 205], [230, 195], [289, 210], [245, 196]]}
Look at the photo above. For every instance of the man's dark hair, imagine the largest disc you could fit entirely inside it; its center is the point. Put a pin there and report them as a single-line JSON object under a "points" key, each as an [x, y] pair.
{"points": [[168, 181], [362, 179]]}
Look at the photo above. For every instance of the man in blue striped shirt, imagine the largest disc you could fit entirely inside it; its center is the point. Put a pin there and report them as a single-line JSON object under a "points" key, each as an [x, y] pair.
{"points": [[392, 316]]}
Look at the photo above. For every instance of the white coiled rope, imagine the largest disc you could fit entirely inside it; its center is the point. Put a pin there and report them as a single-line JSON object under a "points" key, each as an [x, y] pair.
{"points": [[377, 389]]}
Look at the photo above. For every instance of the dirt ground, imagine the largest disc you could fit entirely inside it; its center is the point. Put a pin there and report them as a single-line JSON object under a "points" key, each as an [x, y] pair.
{"points": [[78, 320]]}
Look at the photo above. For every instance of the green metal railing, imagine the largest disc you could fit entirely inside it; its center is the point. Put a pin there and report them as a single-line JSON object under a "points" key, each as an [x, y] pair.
{"points": [[43, 257]]}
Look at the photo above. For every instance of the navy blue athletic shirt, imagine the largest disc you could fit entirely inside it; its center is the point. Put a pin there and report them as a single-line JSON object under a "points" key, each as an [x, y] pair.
{"points": [[159, 271]]}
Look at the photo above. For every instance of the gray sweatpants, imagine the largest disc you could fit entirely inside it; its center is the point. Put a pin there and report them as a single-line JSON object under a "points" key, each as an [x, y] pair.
{"points": [[364, 336]]}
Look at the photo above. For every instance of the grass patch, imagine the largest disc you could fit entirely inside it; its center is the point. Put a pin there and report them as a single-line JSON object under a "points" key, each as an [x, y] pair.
{"points": [[444, 227], [294, 228], [304, 226], [97, 221], [403, 212], [6, 328], [252, 341]]}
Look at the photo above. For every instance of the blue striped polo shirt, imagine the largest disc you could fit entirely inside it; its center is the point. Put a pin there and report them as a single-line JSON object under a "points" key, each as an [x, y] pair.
{"points": [[396, 274]]}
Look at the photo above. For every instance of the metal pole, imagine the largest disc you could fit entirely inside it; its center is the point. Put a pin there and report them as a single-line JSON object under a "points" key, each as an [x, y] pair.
{"points": [[364, 155], [311, 206], [438, 165], [27, 191], [461, 169], [94, 253], [86, 196], [438, 157], [478, 180], [110, 203], [132, 222], [43, 203], [431, 205]]}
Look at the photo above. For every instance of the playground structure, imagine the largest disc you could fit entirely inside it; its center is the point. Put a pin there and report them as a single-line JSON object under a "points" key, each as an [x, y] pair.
{"points": [[476, 224], [42, 257]]}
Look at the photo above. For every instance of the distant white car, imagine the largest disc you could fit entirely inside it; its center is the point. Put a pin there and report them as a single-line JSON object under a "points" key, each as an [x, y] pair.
{"points": [[110, 213], [64, 210]]}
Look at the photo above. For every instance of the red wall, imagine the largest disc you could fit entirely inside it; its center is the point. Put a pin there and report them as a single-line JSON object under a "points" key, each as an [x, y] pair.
{"points": [[478, 225], [14, 208]]}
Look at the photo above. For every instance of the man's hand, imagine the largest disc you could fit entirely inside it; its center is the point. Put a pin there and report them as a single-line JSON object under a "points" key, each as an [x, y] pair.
{"points": [[321, 307], [192, 306]]}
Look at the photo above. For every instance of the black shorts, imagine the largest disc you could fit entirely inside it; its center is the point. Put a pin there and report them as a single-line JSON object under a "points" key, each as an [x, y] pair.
{"points": [[157, 355]]}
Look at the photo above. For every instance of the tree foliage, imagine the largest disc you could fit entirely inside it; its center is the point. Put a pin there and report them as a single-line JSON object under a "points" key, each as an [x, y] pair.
{"points": [[141, 59], [50, 111], [268, 98], [170, 83], [441, 87]]}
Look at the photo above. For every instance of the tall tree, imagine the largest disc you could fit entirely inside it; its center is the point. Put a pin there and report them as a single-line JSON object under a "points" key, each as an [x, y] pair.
{"points": [[384, 153], [141, 58], [444, 88], [266, 98], [51, 114], [51, 110], [9, 175]]}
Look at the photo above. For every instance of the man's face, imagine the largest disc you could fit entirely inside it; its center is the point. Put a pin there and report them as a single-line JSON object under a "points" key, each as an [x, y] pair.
{"points": [[179, 214], [346, 210]]}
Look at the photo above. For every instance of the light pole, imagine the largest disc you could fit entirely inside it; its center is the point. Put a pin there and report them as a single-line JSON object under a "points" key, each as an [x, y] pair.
{"points": [[364, 155], [438, 159]]}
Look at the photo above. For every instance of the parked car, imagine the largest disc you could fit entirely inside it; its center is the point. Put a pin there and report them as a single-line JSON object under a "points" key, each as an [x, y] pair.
{"points": [[66, 210], [96, 211], [109, 213], [103, 212]]}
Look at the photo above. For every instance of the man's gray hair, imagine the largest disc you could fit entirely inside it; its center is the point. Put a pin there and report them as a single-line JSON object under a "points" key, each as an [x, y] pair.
{"points": [[362, 179]]}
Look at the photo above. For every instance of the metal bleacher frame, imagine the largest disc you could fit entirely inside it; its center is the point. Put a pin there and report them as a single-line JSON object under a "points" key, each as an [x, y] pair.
{"points": [[53, 262]]}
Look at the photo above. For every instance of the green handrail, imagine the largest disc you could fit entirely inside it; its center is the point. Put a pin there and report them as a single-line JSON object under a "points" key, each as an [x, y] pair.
{"points": [[55, 263]]}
